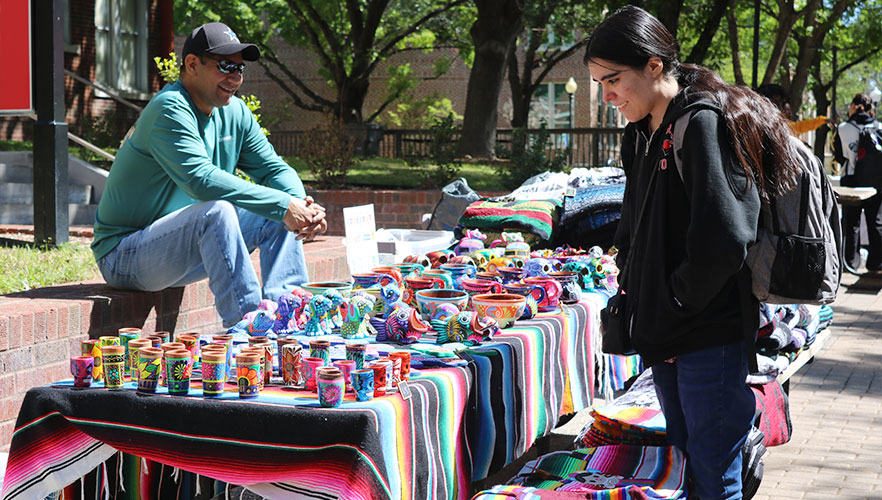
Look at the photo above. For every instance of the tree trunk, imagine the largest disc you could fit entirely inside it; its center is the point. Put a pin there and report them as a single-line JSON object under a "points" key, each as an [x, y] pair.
{"points": [[823, 103], [711, 25], [351, 98], [498, 25], [733, 43]]}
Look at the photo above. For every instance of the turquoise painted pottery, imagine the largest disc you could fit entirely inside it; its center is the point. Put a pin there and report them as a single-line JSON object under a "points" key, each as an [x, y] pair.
{"points": [[319, 287], [429, 301]]}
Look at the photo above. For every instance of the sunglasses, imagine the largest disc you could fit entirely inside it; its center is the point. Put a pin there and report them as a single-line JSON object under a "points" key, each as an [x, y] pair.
{"points": [[226, 66]]}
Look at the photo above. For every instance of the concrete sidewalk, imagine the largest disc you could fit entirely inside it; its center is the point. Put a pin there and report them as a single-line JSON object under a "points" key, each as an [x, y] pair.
{"points": [[836, 409]]}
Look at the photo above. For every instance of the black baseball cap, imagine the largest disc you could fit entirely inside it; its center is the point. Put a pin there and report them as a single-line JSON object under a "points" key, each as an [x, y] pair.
{"points": [[218, 38]]}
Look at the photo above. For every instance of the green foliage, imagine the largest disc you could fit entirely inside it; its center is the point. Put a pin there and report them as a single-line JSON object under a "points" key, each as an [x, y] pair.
{"points": [[253, 104], [529, 155], [441, 166], [169, 68], [16, 145], [328, 152], [26, 268]]}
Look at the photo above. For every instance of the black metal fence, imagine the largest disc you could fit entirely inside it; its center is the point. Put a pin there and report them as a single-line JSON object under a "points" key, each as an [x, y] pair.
{"points": [[590, 146]]}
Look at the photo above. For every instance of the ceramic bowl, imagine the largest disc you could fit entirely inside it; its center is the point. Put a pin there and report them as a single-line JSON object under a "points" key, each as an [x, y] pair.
{"points": [[319, 287], [505, 308], [429, 300]]}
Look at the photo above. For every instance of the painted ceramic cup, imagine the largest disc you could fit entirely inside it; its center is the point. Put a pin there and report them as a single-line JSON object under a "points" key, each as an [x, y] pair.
{"points": [[363, 384], [81, 369], [319, 287], [167, 346], [476, 286], [126, 335], [320, 349], [552, 288], [155, 340], [367, 280], [346, 366], [113, 357], [222, 349], [379, 379], [487, 275], [227, 341], [409, 268], [331, 386], [191, 343], [439, 257], [308, 367], [391, 271], [429, 300], [441, 274], [268, 360], [393, 371], [289, 364], [164, 335], [505, 308], [248, 366], [178, 368], [571, 292], [261, 353], [355, 352], [458, 272], [534, 294], [214, 362], [148, 368], [404, 356], [136, 345], [510, 274], [92, 347], [103, 341], [414, 283]]}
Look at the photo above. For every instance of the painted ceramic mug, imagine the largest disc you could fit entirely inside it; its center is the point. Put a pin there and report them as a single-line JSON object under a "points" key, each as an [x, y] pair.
{"points": [[476, 286], [179, 366], [534, 294], [553, 291], [404, 356], [92, 347], [290, 360], [308, 368], [355, 352], [363, 384], [127, 335], [346, 366], [248, 366], [214, 363], [261, 354], [134, 347], [571, 292], [415, 283], [379, 379]]}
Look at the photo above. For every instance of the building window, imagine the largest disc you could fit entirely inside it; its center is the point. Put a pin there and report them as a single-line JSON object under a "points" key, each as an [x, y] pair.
{"points": [[121, 44], [551, 104]]}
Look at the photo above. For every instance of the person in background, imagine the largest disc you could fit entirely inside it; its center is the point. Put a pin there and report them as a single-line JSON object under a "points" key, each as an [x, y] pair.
{"points": [[173, 211], [689, 303], [845, 152]]}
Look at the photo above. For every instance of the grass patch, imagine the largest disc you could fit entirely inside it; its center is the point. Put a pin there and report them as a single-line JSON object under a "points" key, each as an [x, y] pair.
{"points": [[395, 174], [26, 268]]}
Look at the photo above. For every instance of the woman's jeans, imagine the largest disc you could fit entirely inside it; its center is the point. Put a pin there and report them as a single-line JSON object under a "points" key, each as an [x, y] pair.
{"points": [[210, 239], [709, 410]]}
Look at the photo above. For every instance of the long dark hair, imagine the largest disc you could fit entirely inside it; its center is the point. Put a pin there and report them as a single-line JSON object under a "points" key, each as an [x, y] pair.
{"points": [[760, 134], [864, 103]]}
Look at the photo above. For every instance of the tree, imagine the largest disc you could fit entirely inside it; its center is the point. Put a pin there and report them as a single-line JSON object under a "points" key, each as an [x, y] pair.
{"points": [[495, 29], [349, 40], [554, 31]]}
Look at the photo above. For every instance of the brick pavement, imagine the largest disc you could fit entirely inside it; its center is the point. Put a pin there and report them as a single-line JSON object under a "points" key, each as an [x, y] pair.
{"points": [[836, 409]]}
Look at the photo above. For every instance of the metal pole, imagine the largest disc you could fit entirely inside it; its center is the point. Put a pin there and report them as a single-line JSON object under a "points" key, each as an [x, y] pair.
{"points": [[572, 124], [51, 217]]}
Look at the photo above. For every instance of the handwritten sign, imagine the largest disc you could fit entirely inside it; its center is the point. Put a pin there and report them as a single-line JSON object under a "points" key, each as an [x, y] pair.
{"points": [[361, 242]]}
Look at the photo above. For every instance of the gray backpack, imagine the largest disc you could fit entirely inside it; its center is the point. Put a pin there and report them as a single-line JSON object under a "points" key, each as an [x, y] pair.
{"points": [[797, 255]]}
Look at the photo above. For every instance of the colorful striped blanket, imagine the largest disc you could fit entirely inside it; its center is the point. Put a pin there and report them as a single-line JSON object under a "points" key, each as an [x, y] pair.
{"points": [[460, 424], [604, 472], [533, 216]]}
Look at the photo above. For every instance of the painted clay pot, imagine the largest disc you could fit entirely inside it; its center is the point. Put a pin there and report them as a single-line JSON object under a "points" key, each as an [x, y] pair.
{"points": [[412, 284], [441, 274], [409, 268], [458, 272], [534, 294], [367, 280], [391, 271], [476, 286], [505, 308], [81, 369], [510, 274], [430, 300], [319, 287]]}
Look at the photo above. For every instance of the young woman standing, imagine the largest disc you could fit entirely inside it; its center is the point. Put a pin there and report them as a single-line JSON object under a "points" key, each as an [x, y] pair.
{"points": [[693, 318]]}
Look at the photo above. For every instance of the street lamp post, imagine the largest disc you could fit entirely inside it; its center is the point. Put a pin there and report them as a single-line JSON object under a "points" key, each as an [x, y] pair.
{"points": [[571, 87]]}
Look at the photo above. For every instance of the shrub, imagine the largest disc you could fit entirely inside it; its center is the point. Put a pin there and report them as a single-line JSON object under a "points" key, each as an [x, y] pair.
{"points": [[529, 156], [328, 151], [441, 166]]}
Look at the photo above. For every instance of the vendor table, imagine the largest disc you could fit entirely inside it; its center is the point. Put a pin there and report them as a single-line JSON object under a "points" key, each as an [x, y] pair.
{"points": [[459, 425]]}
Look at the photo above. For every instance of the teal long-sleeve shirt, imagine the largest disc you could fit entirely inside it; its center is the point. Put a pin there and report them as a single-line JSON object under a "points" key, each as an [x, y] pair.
{"points": [[178, 156]]}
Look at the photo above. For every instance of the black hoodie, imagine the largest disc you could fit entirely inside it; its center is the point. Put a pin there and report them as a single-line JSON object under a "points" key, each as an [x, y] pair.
{"points": [[682, 287]]}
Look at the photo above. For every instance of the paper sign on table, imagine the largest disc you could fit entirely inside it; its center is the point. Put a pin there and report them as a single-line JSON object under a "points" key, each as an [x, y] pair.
{"points": [[361, 243]]}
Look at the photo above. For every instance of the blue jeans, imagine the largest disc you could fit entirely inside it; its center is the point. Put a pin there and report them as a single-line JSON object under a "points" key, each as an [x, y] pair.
{"points": [[211, 239], [709, 410]]}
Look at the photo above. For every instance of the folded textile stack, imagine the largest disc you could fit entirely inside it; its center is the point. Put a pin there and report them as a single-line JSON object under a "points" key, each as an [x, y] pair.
{"points": [[783, 332], [615, 424], [538, 217], [603, 472]]}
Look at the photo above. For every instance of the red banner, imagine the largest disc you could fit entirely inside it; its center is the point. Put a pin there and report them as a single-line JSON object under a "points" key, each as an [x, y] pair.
{"points": [[15, 38]]}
